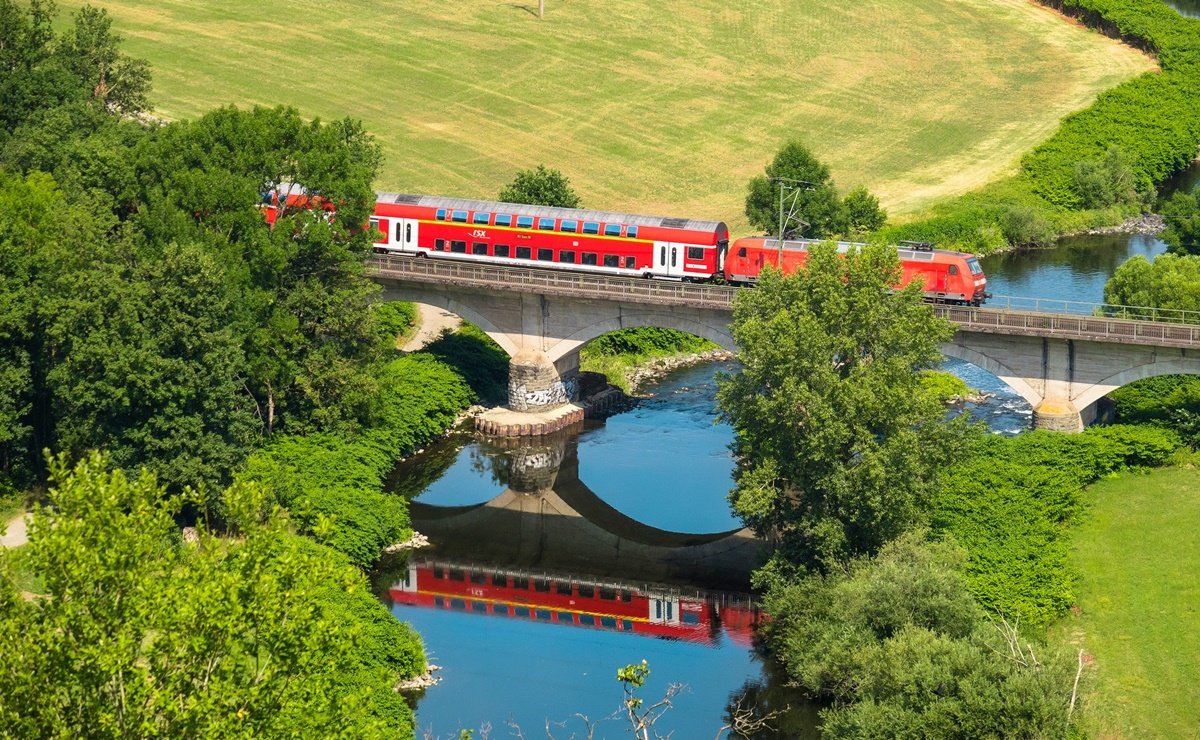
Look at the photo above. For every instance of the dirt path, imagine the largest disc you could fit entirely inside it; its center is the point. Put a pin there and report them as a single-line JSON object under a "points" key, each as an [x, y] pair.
{"points": [[14, 535], [431, 321]]}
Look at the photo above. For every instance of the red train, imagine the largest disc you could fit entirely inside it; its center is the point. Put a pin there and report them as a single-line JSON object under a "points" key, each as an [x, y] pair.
{"points": [[604, 242], [540, 597]]}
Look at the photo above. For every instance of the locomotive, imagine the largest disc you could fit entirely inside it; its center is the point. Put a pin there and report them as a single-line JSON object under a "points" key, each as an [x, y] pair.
{"points": [[610, 243]]}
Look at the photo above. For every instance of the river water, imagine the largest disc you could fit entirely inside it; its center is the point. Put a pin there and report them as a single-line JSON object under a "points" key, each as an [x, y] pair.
{"points": [[554, 564]]}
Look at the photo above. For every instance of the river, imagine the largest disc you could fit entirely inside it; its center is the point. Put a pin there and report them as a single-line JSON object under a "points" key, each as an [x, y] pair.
{"points": [[554, 564]]}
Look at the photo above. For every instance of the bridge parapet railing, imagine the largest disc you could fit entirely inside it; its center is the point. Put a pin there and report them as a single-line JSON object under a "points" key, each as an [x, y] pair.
{"points": [[1083, 308], [1134, 331]]}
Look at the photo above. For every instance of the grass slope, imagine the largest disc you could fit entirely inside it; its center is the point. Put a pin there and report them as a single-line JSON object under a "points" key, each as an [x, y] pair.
{"points": [[665, 107], [1139, 601]]}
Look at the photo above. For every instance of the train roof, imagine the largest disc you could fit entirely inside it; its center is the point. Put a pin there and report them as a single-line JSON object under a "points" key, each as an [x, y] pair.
{"points": [[924, 254], [464, 204]]}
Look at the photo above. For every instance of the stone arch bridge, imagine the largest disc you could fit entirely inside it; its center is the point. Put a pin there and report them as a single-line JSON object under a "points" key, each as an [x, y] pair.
{"points": [[1061, 364]]}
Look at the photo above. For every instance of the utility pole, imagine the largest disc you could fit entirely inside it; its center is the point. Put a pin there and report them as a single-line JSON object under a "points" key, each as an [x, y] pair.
{"points": [[796, 186]]}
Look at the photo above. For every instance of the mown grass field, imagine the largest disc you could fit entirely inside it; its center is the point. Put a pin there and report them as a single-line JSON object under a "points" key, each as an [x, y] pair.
{"points": [[660, 107], [1139, 605]]}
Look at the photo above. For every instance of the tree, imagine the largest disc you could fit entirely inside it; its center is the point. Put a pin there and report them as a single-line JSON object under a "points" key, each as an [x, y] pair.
{"points": [[140, 634], [1170, 281], [816, 199], [540, 187], [1182, 216], [1109, 181], [838, 445], [91, 52], [862, 212]]}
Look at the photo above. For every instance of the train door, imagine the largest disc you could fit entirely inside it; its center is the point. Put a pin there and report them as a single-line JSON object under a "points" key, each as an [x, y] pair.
{"points": [[404, 236], [407, 582], [664, 609], [668, 259]]}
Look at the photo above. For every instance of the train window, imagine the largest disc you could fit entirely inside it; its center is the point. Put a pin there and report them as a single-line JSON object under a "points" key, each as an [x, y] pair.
{"points": [[567, 256], [520, 611], [974, 265], [674, 255], [953, 269], [499, 579], [407, 233], [630, 263], [586, 591], [690, 617], [480, 218], [479, 606], [626, 596], [439, 244], [662, 255], [458, 247], [398, 231], [566, 617], [588, 258], [587, 620], [695, 253], [438, 573], [543, 614], [546, 255], [612, 260], [627, 625], [568, 226], [608, 594], [562, 587], [503, 219], [456, 575], [631, 232], [439, 601], [741, 251], [458, 604], [480, 578], [374, 224], [523, 253], [500, 250], [591, 227], [478, 248], [610, 622], [612, 229], [525, 222], [520, 582], [546, 224], [441, 214], [460, 216], [541, 585], [501, 609]]}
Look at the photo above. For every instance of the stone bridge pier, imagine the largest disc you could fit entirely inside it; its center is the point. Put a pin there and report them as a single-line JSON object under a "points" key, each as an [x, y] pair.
{"points": [[542, 333]]}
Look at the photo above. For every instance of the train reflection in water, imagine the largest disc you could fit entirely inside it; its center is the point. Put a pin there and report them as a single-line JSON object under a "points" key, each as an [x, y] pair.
{"points": [[653, 611]]}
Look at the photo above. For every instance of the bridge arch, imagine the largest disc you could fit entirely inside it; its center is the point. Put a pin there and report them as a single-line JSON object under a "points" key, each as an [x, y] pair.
{"points": [[716, 332], [458, 308], [1005, 374], [1174, 366]]}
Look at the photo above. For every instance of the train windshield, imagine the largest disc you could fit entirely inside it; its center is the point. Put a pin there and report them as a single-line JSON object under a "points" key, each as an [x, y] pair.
{"points": [[974, 265]]}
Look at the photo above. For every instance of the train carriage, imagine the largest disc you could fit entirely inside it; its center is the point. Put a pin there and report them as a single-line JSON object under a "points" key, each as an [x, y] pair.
{"points": [[541, 236], [945, 276]]}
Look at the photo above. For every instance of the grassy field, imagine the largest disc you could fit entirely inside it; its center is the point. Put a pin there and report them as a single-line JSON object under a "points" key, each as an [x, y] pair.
{"points": [[1139, 605], [662, 107]]}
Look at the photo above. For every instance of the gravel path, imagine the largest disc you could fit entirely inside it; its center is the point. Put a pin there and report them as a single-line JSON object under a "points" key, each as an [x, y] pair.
{"points": [[14, 535], [431, 321]]}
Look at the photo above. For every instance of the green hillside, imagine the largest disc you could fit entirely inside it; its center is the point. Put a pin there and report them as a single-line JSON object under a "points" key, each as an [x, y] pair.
{"points": [[662, 107]]}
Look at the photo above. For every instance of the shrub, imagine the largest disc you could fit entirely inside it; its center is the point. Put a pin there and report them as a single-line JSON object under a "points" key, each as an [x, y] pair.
{"points": [[477, 358]]}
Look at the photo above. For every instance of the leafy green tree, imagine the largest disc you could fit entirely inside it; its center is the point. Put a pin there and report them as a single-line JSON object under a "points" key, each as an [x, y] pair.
{"points": [[838, 446], [139, 634], [1182, 216], [540, 187], [1170, 281], [816, 199], [91, 52], [1109, 181], [862, 212]]}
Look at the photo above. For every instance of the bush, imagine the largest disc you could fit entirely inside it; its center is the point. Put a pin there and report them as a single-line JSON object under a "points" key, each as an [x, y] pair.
{"points": [[393, 320], [477, 358]]}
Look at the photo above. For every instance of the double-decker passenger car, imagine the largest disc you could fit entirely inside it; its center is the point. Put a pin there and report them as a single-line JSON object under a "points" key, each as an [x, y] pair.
{"points": [[542, 236], [945, 276]]}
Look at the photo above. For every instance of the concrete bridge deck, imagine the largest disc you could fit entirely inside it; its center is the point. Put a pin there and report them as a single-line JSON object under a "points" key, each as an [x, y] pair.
{"points": [[1061, 363]]}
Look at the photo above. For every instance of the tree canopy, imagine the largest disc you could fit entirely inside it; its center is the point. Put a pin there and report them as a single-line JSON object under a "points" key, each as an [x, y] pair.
{"points": [[1182, 216], [1169, 281], [837, 442], [540, 186]]}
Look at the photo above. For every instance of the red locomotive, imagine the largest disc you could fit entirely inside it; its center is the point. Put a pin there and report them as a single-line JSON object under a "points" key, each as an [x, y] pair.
{"points": [[654, 612], [947, 277], [604, 242]]}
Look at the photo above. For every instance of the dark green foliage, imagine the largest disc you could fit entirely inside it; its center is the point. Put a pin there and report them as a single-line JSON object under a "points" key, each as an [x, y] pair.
{"points": [[333, 484], [809, 193], [477, 358], [1153, 399], [1182, 216], [646, 341], [540, 187], [838, 447], [1109, 181], [1025, 226], [1010, 504], [861, 213]]}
